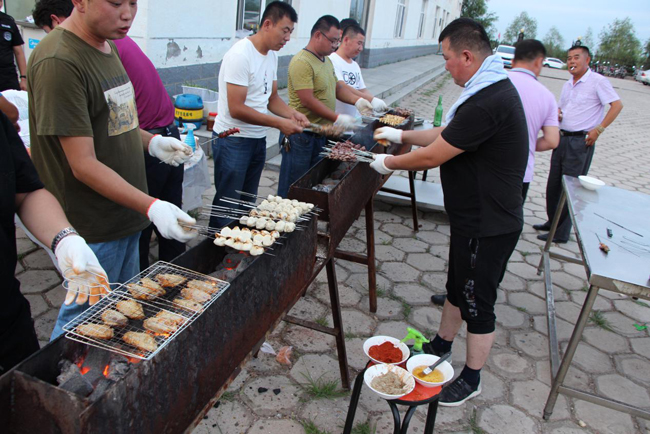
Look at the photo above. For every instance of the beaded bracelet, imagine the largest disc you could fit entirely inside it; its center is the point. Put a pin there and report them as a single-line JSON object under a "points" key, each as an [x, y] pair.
{"points": [[61, 235]]}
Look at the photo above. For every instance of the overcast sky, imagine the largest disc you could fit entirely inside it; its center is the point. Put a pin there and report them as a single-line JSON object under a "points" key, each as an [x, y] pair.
{"points": [[572, 18]]}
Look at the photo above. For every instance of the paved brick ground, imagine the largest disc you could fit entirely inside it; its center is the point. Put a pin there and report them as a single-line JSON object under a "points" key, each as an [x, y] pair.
{"points": [[411, 268]]}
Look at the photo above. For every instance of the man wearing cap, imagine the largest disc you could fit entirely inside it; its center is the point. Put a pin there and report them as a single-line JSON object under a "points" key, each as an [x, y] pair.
{"points": [[582, 120]]}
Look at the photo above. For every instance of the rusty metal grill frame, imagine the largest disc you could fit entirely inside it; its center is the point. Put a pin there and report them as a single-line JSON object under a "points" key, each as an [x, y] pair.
{"points": [[151, 307]]}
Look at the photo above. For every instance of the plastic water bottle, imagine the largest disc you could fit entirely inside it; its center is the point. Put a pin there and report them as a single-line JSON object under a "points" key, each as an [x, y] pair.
{"points": [[189, 139], [437, 119]]}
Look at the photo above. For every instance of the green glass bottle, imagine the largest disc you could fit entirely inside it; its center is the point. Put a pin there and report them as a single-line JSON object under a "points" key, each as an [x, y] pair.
{"points": [[437, 119]]}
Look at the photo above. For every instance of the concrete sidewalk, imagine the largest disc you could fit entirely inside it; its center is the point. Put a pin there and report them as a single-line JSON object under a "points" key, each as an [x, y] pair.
{"points": [[389, 82]]}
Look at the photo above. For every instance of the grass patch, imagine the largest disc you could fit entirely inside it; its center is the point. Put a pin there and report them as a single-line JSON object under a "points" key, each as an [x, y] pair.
{"points": [[599, 319], [386, 243], [364, 428], [641, 303], [381, 292], [406, 308], [322, 320], [522, 309], [21, 256], [311, 428], [524, 254], [321, 388], [228, 396], [585, 288], [436, 87], [473, 424], [349, 335]]}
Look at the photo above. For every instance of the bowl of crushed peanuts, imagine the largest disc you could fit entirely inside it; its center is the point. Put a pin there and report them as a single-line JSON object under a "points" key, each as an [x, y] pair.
{"points": [[389, 381], [441, 375]]}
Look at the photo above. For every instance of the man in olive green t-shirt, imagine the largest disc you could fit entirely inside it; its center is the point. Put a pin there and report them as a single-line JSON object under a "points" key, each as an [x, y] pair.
{"points": [[87, 144], [313, 91]]}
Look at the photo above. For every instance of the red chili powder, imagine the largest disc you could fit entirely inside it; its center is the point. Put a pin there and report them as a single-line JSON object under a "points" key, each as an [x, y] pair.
{"points": [[386, 353]]}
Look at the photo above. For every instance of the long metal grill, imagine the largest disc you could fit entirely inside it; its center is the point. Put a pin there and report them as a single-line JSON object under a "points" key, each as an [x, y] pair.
{"points": [[92, 317]]}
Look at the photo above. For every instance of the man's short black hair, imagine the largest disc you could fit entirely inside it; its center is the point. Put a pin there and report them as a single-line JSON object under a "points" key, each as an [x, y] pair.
{"points": [[45, 8], [466, 34], [277, 10], [581, 47], [352, 30], [345, 22], [529, 50], [324, 23]]}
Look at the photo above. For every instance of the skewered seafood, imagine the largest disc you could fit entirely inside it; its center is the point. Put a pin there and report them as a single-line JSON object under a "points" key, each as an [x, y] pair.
{"points": [[195, 295], [168, 279], [160, 325], [140, 340], [131, 309], [208, 287], [97, 331], [392, 120], [188, 304], [256, 251], [114, 318], [144, 292], [170, 317]]}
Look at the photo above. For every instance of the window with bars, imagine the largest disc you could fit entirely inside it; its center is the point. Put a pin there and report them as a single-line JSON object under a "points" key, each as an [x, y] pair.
{"points": [[423, 18], [249, 13], [400, 19], [436, 24]]}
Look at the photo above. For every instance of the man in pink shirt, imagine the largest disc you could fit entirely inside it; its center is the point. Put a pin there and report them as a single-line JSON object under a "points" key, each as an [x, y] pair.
{"points": [[539, 103], [582, 120]]}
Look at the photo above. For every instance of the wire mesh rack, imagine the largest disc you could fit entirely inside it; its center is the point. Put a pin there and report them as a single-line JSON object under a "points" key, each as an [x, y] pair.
{"points": [[154, 314]]}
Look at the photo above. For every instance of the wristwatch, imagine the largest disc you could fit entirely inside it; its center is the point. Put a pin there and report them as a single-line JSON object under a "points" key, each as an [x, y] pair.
{"points": [[23, 76], [600, 129]]}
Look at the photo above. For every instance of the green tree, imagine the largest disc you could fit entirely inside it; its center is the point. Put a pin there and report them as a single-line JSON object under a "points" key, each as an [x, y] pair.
{"points": [[478, 11], [619, 44], [554, 43], [588, 40], [522, 21], [645, 62]]}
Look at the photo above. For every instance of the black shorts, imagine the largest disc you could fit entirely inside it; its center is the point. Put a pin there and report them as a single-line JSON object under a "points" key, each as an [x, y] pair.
{"points": [[475, 269]]}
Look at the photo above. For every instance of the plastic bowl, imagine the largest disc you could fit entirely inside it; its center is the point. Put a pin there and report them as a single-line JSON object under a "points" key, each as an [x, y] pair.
{"points": [[428, 360], [377, 370], [590, 183], [378, 340]]}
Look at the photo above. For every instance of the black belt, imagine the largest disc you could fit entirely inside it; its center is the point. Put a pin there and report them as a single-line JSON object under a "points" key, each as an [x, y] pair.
{"points": [[161, 130], [572, 133]]}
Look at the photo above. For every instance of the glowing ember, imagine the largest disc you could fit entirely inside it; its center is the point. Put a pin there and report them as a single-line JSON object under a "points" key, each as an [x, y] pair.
{"points": [[106, 371], [84, 370]]}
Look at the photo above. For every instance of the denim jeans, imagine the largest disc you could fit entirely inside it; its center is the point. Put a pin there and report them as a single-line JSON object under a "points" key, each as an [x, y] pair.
{"points": [[304, 153], [119, 258], [238, 165]]}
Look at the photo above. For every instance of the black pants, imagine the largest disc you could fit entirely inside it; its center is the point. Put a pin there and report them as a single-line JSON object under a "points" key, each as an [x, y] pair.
{"points": [[19, 341], [524, 191], [476, 266], [165, 182], [572, 157]]}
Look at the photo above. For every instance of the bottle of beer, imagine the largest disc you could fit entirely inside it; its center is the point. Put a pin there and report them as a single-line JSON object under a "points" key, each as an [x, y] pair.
{"points": [[437, 119]]}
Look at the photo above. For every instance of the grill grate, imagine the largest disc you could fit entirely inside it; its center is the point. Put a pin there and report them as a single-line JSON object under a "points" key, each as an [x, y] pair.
{"points": [[93, 315]]}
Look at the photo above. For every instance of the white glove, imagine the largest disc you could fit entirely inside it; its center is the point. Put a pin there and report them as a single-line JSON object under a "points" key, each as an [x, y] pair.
{"points": [[81, 268], [346, 121], [166, 216], [169, 150], [387, 133], [379, 106], [363, 105], [379, 165]]}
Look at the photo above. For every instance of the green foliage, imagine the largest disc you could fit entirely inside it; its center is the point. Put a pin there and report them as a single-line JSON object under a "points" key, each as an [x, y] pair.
{"points": [[521, 21], [554, 43], [227, 396], [364, 428], [478, 11], [473, 424], [322, 320], [321, 388], [588, 39], [645, 59], [619, 44], [406, 308], [311, 428], [600, 320]]}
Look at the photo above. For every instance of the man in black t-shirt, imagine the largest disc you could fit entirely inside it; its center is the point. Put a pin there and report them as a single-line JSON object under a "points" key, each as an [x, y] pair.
{"points": [[22, 193], [11, 45], [482, 153]]}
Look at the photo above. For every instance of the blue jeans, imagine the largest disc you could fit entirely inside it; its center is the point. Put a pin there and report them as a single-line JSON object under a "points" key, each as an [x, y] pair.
{"points": [[238, 165], [121, 261], [303, 155]]}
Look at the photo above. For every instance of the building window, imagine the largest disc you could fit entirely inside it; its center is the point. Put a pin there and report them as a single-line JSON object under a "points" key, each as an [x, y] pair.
{"points": [[400, 19], [249, 13], [436, 24], [423, 15], [19, 9], [357, 10]]}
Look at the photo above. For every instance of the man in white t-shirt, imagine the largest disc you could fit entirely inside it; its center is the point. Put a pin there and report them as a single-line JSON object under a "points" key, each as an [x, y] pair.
{"points": [[348, 71], [248, 91]]}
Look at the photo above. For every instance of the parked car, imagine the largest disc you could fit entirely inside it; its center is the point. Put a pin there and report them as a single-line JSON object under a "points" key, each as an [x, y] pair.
{"points": [[507, 53], [552, 62], [643, 76]]}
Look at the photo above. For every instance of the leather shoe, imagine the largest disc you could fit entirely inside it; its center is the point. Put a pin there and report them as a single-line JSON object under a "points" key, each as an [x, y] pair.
{"points": [[542, 227], [544, 237], [438, 299]]}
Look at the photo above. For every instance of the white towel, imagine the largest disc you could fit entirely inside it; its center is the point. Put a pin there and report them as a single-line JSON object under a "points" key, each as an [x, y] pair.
{"points": [[490, 72]]}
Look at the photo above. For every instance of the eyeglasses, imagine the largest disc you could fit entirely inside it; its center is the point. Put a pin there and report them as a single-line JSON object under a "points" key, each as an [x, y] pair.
{"points": [[332, 41]]}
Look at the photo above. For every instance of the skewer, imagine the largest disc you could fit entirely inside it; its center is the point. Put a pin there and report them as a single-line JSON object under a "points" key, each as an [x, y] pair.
{"points": [[315, 208], [620, 226]]}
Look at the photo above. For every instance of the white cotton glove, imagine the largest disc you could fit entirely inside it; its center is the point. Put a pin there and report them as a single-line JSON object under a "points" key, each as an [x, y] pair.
{"points": [[379, 106], [86, 280], [379, 164], [169, 150], [166, 216], [363, 105], [346, 121], [387, 133]]}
